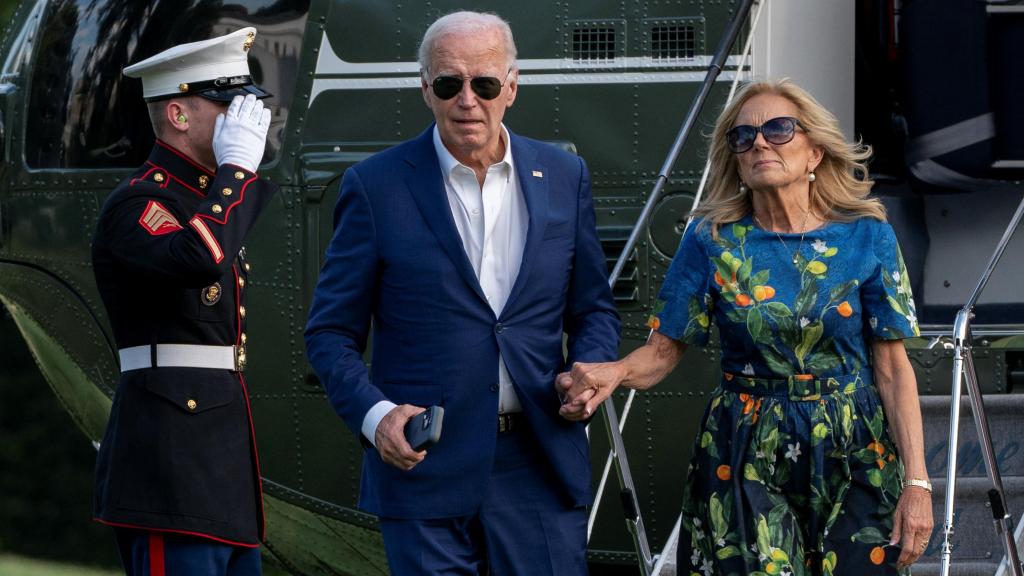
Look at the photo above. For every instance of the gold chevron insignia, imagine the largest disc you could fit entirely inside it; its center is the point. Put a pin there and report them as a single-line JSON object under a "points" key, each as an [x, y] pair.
{"points": [[158, 220]]}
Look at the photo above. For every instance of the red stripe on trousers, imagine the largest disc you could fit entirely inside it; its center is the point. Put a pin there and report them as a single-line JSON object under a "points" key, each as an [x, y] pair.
{"points": [[156, 554]]}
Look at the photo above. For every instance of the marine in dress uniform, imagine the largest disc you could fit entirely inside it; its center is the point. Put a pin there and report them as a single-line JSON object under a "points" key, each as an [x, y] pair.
{"points": [[177, 474]]}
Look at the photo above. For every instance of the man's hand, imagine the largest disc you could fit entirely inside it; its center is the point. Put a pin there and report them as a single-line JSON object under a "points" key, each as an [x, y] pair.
{"points": [[390, 438], [240, 135], [586, 387]]}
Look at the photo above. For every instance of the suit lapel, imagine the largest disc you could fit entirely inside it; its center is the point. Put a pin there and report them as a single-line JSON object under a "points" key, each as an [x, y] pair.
{"points": [[427, 187], [531, 175]]}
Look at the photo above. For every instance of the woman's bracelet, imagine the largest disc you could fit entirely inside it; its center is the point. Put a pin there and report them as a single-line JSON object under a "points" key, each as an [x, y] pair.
{"points": [[924, 484]]}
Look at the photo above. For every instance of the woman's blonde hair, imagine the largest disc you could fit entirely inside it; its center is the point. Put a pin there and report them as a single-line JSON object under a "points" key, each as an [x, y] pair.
{"points": [[841, 187]]}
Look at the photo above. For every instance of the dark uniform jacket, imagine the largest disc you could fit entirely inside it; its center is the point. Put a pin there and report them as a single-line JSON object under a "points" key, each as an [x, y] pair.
{"points": [[179, 452]]}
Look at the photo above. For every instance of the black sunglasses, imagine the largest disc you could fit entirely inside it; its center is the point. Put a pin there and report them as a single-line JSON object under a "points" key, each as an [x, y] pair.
{"points": [[486, 87], [779, 130]]}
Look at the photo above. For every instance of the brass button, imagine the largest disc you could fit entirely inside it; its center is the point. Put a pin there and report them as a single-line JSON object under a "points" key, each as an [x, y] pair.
{"points": [[241, 311], [216, 209], [244, 337], [227, 191], [248, 268], [183, 87], [204, 180], [241, 282], [158, 177], [192, 404], [239, 175]]}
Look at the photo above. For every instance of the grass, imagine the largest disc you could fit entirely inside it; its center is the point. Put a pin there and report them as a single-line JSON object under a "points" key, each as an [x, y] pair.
{"points": [[18, 566]]}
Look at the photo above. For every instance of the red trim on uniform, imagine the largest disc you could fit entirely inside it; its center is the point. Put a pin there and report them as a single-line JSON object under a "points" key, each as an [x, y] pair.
{"points": [[208, 239], [227, 211], [182, 182], [158, 220], [156, 554], [148, 172], [175, 151], [238, 302], [171, 531], [176, 179], [256, 459]]}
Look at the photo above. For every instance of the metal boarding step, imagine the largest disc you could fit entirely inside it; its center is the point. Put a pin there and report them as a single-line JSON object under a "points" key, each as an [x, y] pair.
{"points": [[977, 550]]}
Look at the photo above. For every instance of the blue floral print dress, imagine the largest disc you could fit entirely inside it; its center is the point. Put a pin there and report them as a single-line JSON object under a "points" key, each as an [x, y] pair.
{"points": [[793, 469]]}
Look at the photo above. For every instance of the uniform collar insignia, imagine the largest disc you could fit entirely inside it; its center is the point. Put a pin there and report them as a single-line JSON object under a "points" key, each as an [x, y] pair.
{"points": [[185, 174]]}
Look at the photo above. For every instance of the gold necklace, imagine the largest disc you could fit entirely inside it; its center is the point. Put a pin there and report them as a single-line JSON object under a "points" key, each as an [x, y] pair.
{"points": [[803, 230]]}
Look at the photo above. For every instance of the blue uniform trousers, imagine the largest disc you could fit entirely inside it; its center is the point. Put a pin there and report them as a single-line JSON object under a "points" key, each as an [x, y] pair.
{"points": [[523, 526], [151, 553]]}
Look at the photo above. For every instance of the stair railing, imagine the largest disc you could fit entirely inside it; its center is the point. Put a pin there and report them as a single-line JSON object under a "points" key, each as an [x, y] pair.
{"points": [[630, 503], [963, 369]]}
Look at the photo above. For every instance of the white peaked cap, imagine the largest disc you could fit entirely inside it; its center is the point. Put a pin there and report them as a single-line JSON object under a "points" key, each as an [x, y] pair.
{"points": [[210, 68]]}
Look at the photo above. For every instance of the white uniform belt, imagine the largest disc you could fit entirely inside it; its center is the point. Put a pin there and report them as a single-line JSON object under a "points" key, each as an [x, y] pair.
{"points": [[179, 356]]}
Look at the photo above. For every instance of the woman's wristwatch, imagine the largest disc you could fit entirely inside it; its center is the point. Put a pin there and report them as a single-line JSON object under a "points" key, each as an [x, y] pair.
{"points": [[924, 484]]}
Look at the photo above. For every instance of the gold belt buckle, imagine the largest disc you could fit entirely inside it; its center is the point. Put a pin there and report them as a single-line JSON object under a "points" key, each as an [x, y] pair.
{"points": [[239, 352], [504, 422], [812, 392]]}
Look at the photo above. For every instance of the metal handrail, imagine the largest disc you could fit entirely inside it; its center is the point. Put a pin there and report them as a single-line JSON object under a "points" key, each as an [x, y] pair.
{"points": [[964, 370], [630, 503]]}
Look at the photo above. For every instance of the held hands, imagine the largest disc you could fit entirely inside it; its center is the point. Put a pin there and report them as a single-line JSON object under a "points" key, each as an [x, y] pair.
{"points": [[240, 135], [390, 438], [584, 388], [912, 524]]}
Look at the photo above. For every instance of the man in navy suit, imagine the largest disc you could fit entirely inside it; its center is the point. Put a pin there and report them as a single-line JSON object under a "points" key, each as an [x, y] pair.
{"points": [[470, 250]]}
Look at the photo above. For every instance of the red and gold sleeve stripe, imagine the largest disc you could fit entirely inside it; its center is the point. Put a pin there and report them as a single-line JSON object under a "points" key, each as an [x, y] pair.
{"points": [[208, 239]]}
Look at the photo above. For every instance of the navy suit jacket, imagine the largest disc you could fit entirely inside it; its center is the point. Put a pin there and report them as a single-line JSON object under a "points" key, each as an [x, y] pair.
{"points": [[397, 259]]}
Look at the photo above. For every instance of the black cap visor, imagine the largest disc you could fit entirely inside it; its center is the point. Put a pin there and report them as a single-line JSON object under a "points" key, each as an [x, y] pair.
{"points": [[225, 95], [222, 89]]}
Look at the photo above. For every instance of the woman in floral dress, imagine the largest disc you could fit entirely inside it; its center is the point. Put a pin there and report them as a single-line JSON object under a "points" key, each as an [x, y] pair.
{"points": [[810, 455]]}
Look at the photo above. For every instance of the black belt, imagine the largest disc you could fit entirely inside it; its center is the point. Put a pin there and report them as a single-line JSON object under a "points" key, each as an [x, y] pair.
{"points": [[510, 421]]}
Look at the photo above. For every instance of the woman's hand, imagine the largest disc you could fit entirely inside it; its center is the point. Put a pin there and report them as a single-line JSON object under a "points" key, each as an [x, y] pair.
{"points": [[586, 386], [897, 386], [912, 524]]}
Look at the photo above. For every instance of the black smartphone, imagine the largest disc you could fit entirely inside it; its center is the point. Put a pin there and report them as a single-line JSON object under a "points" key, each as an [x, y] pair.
{"points": [[424, 429]]}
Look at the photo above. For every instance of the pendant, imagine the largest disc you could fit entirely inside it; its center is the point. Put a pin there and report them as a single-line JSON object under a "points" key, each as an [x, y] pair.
{"points": [[794, 259]]}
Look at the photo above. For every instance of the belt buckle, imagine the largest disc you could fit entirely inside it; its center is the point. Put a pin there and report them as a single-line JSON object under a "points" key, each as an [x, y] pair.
{"points": [[504, 422], [807, 392], [239, 353]]}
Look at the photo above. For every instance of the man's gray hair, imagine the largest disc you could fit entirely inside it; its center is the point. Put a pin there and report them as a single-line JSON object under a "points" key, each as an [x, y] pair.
{"points": [[465, 22]]}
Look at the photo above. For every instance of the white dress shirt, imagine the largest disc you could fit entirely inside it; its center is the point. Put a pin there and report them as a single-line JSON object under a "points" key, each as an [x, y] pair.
{"points": [[492, 222]]}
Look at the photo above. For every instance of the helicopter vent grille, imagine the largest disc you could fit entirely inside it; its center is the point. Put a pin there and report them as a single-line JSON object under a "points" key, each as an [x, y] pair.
{"points": [[593, 45], [613, 240], [676, 42]]}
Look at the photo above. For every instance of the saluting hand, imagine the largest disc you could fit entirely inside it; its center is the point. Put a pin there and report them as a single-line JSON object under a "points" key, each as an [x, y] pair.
{"points": [[240, 135], [390, 438]]}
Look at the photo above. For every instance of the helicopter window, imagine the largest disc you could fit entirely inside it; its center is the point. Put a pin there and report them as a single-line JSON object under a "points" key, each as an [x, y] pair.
{"points": [[85, 114]]}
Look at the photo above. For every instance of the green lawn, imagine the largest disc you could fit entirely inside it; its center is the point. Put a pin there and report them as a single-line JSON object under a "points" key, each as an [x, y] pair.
{"points": [[18, 566]]}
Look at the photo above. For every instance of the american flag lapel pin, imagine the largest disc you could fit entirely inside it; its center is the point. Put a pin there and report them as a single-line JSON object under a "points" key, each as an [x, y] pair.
{"points": [[538, 174]]}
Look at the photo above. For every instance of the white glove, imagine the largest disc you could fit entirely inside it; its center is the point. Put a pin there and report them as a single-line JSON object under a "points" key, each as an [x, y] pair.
{"points": [[240, 136]]}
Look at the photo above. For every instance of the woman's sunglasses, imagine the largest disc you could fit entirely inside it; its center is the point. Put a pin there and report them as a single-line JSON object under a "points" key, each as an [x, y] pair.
{"points": [[486, 87], [779, 130]]}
